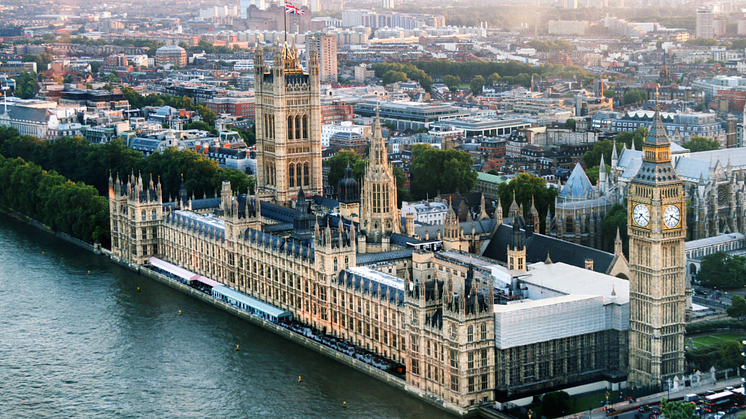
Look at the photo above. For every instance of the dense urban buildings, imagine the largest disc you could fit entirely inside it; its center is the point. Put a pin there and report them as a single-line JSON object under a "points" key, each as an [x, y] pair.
{"points": [[470, 294]]}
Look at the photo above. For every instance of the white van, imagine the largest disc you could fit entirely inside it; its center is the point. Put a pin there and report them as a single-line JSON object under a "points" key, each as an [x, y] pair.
{"points": [[691, 398]]}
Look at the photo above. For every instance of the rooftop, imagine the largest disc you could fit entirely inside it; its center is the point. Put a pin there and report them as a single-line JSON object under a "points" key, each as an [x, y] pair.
{"points": [[572, 280]]}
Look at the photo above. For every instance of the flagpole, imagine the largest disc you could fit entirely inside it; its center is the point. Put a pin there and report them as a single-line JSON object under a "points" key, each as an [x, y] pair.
{"points": [[286, 24]]}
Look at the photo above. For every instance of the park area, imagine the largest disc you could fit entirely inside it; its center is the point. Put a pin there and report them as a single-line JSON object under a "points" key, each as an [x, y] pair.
{"points": [[717, 339]]}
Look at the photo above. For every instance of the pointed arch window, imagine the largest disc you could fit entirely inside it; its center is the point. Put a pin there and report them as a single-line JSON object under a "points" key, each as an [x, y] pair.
{"points": [[291, 176], [305, 174], [297, 127], [290, 128], [305, 126], [298, 173]]}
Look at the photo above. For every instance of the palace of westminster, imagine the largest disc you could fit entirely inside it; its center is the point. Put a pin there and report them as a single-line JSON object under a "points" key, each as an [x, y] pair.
{"points": [[486, 309]]}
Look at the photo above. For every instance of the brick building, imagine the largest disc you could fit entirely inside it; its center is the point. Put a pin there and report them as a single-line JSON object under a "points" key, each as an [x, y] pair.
{"points": [[236, 106], [336, 112]]}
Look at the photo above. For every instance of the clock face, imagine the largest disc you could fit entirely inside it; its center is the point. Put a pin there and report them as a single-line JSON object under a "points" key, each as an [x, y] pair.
{"points": [[641, 215], [672, 216]]}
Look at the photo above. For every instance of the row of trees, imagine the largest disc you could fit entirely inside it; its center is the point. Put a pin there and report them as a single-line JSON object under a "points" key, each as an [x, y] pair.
{"points": [[77, 159], [724, 355], [394, 72], [48, 197], [548, 46], [511, 72]]}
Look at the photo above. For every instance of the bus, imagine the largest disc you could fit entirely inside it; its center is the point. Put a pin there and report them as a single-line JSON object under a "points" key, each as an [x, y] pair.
{"points": [[723, 400]]}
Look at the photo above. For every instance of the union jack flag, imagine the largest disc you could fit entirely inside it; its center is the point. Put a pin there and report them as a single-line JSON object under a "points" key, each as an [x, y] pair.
{"points": [[291, 9]]}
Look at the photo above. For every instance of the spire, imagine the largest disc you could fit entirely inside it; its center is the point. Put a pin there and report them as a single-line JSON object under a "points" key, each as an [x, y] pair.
{"points": [[602, 165], [548, 260], [618, 243], [633, 144]]}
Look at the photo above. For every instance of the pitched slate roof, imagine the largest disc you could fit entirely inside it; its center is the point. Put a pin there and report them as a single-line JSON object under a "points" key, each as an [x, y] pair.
{"points": [[538, 245], [371, 258]]}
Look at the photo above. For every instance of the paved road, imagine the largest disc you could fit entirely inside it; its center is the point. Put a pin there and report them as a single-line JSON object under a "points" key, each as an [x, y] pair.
{"points": [[655, 398]]}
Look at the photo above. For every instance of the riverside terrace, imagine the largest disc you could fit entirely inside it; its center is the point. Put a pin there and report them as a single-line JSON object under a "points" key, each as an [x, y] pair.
{"points": [[278, 316]]}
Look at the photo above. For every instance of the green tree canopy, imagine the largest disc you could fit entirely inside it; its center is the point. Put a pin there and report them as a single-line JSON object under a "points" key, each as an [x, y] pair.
{"points": [[451, 81], [570, 123], [26, 85], [493, 79], [722, 270], [547, 46], [527, 187], [200, 126], [393, 76], [555, 404], [338, 163], [476, 85], [206, 114], [615, 220], [729, 355], [697, 143], [703, 42], [626, 138], [240, 181], [63, 205], [433, 170], [677, 410], [737, 307], [592, 157], [635, 96], [609, 93], [592, 173]]}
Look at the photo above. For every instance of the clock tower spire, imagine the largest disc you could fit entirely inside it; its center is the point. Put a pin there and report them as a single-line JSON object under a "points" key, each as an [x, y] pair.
{"points": [[657, 230]]}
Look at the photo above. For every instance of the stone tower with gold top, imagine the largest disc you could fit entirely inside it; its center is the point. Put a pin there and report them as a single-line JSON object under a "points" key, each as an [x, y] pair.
{"points": [[288, 125], [657, 291]]}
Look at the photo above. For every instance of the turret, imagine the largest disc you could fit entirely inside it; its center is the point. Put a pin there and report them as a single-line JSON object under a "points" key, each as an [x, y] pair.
{"points": [[516, 249]]}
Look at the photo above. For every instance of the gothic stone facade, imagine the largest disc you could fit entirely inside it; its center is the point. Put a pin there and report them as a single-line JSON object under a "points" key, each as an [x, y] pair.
{"points": [[288, 126]]}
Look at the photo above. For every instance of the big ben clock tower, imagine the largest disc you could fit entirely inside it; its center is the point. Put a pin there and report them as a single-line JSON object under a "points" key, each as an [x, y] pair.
{"points": [[657, 230]]}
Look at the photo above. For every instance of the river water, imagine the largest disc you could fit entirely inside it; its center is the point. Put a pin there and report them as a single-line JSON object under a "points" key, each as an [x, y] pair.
{"points": [[90, 345]]}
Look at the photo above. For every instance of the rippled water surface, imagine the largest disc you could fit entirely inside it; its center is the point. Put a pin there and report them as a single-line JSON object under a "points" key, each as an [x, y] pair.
{"points": [[77, 344]]}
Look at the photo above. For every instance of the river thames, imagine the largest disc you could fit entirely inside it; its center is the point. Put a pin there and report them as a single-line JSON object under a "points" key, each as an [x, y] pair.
{"points": [[90, 345]]}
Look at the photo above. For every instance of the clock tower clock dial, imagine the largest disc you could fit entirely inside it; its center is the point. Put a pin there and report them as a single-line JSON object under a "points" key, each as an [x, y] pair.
{"points": [[641, 215], [672, 216], [657, 289]]}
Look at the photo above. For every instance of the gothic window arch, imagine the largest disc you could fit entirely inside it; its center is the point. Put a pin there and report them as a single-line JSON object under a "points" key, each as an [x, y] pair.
{"points": [[297, 126], [142, 215], [470, 333], [290, 127], [298, 173], [483, 331], [291, 175], [305, 174], [305, 126]]}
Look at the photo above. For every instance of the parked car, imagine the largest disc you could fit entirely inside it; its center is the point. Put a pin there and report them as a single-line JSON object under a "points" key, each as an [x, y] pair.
{"points": [[644, 408]]}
